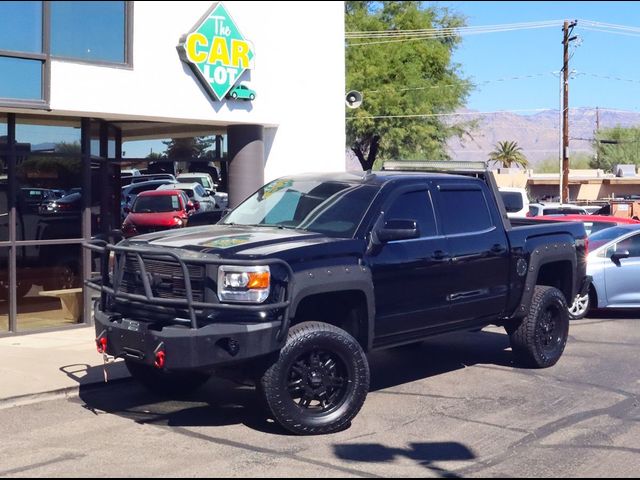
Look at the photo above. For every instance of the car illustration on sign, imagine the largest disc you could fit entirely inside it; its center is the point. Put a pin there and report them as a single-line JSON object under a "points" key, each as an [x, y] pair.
{"points": [[241, 92]]}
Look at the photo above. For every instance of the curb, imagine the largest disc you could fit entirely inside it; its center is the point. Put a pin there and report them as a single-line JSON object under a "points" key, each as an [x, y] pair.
{"points": [[61, 393]]}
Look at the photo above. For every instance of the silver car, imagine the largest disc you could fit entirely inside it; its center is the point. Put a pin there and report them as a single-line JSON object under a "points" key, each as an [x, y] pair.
{"points": [[614, 264]]}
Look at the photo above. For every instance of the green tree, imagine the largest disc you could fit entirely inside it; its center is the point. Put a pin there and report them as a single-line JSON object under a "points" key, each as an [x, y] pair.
{"points": [[509, 154], [403, 77], [552, 165], [192, 147], [615, 146]]}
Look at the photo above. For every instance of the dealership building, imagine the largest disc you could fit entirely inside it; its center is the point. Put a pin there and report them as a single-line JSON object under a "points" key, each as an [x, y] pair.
{"points": [[89, 88]]}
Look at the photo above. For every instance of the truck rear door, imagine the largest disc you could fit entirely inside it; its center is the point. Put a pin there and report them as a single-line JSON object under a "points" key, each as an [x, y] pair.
{"points": [[478, 246]]}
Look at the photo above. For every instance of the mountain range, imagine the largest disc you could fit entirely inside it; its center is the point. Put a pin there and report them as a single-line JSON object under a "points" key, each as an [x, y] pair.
{"points": [[538, 134]]}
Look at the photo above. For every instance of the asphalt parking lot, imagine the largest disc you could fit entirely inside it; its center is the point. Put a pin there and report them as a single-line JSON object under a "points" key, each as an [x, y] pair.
{"points": [[454, 406]]}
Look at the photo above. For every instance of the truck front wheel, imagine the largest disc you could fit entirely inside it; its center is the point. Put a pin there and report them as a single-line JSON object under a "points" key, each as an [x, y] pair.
{"points": [[162, 382], [319, 381], [539, 339]]}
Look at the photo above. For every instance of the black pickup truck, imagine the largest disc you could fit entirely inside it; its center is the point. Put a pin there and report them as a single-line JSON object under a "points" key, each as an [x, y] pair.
{"points": [[313, 271]]}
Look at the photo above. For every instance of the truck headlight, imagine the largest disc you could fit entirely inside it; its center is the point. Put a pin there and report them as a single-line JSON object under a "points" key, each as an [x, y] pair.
{"points": [[243, 284]]}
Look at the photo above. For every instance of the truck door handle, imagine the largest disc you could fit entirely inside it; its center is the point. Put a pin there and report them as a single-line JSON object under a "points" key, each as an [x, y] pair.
{"points": [[497, 248], [440, 256]]}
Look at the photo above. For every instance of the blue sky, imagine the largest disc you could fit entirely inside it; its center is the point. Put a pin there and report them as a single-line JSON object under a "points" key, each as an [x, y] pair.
{"points": [[493, 56]]}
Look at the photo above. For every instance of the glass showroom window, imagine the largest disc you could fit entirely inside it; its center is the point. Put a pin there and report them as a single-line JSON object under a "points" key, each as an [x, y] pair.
{"points": [[49, 219], [89, 31], [22, 56]]}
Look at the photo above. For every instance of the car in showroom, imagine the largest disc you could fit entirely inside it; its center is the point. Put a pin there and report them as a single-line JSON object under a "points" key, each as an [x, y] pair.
{"points": [[202, 200], [614, 264], [130, 192], [157, 210]]}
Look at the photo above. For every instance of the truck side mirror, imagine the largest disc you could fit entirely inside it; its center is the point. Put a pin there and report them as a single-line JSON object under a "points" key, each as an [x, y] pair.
{"points": [[397, 229]]}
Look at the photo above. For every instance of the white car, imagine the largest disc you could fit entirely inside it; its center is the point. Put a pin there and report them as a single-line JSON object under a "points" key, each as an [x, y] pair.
{"points": [[203, 179], [516, 201], [203, 201], [537, 209]]}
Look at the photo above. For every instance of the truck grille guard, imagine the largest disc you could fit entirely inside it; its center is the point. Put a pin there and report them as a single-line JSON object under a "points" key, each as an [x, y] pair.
{"points": [[113, 288]]}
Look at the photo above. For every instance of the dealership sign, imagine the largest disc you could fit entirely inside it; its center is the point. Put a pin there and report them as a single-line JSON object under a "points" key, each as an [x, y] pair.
{"points": [[216, 51]]}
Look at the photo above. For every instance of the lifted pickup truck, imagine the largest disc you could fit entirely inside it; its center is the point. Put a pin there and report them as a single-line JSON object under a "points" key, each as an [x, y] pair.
{"points": [[313, 271]]}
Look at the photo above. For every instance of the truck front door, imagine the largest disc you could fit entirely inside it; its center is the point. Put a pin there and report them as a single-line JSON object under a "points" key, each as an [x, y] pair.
{"points": [[410, 276]]}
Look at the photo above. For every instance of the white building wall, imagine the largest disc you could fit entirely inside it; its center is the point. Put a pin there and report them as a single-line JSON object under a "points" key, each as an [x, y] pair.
{"points": [[298, 77]]}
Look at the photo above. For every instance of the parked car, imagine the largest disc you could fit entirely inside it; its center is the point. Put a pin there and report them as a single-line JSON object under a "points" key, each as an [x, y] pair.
{"points": [[537, 209], [516, 201], [153, 176], [202, 200], [203, 179], [310, 273], [242, 92], [592, 223], [71, 203], [130, 192], [614, 265], [30, 199], [157, 210], [130, 172]]}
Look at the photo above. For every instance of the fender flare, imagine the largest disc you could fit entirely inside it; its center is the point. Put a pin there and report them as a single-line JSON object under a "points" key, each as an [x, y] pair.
{"points": [[332, 279], [539, 257]]}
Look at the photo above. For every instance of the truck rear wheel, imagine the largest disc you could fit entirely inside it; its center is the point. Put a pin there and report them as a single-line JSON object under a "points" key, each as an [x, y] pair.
{"points": [[319, 381], [539, 340], [162, 382]]}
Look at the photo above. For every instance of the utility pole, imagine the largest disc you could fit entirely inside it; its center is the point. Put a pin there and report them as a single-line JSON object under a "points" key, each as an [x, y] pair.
{"points": [[567, 38], [596, 137]]}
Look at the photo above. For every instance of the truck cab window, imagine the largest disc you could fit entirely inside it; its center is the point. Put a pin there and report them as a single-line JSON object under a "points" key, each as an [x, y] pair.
{"points": [[415, 206], [467, 211]]}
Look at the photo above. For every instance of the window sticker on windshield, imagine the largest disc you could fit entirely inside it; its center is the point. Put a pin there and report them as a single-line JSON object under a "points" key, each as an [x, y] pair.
{"points": [[174, 203], [274, 187]]}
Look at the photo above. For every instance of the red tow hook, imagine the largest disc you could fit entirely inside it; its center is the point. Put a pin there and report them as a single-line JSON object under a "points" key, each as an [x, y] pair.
{"points": [[159, 359], [101, 344]]}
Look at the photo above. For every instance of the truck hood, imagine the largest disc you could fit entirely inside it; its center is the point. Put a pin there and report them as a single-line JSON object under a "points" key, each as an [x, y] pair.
{"points": [[231, 240]]}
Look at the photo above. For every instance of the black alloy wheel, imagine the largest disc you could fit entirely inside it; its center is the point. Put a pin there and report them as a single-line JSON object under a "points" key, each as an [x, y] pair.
{"points": [[319, 380], [538, 340]]}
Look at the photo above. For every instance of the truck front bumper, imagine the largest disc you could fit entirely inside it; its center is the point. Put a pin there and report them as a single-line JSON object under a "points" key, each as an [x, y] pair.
{"points": [[184, 348]]}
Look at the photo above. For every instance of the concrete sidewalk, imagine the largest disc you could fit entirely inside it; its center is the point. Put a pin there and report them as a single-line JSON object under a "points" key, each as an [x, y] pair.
{"points": [[52, 364]]}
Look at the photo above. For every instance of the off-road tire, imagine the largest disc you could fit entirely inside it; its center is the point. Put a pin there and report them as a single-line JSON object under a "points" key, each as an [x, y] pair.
{"points": [[166, 383], [539, 339], [318, 360]]}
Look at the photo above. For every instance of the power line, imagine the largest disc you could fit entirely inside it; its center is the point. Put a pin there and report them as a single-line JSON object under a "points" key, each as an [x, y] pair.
{"points": [[405, 36], [427, 115], [447, 85], [449, 30]]}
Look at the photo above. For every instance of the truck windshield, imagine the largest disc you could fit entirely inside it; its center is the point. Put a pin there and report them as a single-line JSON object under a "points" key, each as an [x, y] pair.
{"points": [[330, 207]]}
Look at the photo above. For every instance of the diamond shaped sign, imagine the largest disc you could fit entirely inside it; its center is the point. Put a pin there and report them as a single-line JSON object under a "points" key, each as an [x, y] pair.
{"points": [[216, 51]]}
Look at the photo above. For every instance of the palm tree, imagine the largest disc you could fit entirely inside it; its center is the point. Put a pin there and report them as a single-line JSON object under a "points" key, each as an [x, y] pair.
{"points": [[509, 154]]}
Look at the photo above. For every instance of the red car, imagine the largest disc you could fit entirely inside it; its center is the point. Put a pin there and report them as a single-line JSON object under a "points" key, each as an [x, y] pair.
{"points": [[156, 210], [592, 223]]}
